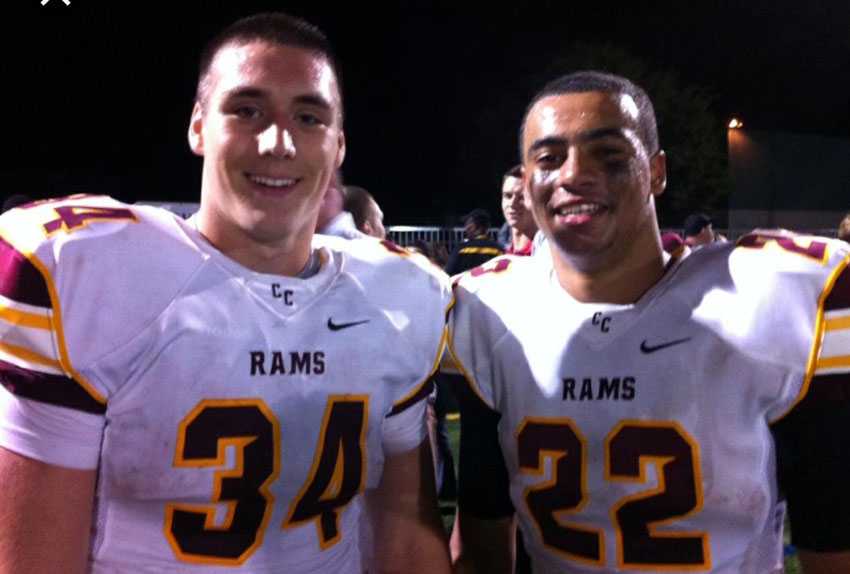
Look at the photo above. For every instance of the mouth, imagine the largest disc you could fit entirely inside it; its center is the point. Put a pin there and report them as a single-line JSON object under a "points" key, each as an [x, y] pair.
{"points": [[272, 183], [577, 213]]}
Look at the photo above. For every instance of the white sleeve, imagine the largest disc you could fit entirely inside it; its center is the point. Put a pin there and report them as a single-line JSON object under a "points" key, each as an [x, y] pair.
{"points": [[469, 344], [405, 430], [51, 434]]}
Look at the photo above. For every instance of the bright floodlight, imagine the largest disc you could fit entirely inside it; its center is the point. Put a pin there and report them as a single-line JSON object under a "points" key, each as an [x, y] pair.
{"points": [[735, 124]]}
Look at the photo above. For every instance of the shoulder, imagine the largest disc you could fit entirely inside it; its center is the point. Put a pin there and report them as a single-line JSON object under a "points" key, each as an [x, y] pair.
{"points": [[100, 268], [383, 259], [773, 295], [490, 296], [769, 263], [100, 241], [788, 252], [389, 274], [500, 277], [54, 228]]}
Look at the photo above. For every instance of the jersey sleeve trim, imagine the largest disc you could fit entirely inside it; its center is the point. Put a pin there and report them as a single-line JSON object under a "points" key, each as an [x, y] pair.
{"points": [[470, 380], [34, 340], [21, 280], [834, 298], [47, 388], [424, 388]]}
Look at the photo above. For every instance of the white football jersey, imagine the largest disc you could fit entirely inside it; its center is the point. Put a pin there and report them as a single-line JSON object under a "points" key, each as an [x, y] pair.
{"points": [[235, 417], [636, 437]]}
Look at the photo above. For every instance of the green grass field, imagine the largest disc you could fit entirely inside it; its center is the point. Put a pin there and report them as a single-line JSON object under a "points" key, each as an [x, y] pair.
{"points": [[792, 565]]}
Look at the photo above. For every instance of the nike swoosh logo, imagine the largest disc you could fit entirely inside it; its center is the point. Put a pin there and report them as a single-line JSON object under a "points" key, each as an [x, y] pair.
{"points": [[340, 326], [646, 348]]}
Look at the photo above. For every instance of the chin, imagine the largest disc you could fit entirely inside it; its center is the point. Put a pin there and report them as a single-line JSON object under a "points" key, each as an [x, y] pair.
{"points": [[577, 245]]}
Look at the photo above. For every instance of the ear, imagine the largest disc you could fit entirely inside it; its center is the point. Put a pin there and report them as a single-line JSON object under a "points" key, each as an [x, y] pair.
{"points": [[367, 228], [658, 173], [340, 154], [196, 131]]}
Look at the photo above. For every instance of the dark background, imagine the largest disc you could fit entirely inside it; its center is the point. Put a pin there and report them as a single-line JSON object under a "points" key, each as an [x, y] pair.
{"points": [[96, 96]]}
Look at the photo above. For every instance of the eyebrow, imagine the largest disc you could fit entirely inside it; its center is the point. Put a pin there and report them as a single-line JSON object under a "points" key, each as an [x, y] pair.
{"points": [[257, 93], [582, 137]]}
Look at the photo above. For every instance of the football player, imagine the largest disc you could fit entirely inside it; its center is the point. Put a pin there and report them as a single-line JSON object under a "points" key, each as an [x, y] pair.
{"points": [[647, 413], [217, 395]]}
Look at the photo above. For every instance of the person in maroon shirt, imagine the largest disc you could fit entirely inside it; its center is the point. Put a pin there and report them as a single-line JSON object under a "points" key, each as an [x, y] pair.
{"points": [[516, 212]]}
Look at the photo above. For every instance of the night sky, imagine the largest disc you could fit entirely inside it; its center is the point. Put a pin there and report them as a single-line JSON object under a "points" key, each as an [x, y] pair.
{"points": [[97, 95]]}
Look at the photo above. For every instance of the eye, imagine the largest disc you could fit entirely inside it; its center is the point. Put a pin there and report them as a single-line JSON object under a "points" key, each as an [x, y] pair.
{"points": [[309, 119], [613, 158], [549, 159], [247, 112]]}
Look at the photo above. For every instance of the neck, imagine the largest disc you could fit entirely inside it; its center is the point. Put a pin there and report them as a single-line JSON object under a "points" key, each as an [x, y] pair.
{"points": [[620, 278], [285, 256], [520, 239]]}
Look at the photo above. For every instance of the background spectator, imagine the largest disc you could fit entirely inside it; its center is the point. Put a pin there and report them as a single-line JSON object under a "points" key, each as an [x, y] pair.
{"points": [[368, 217], [333, 219], [698, 231], [672, 243], [844, 228], [478, 246], [521, 224]]}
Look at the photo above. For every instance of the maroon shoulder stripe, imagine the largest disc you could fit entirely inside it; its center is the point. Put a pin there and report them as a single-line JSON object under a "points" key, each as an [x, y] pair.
{"points": [[45, 388], [423, 391], [826, 390], [839, 297], [19, 279]]}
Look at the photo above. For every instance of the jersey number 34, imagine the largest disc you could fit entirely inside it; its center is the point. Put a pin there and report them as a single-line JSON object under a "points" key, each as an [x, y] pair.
{"points": [[251, 429]]}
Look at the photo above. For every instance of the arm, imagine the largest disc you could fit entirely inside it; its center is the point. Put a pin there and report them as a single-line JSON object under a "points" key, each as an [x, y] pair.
{"points": [[825, 562], [484, 531], [45, 516], [813, 456], [409, 535], [483, 546]]}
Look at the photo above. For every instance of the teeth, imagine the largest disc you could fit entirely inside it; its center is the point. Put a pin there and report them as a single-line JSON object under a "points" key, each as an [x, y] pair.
{"points": [[271, 182], [581, 209]]}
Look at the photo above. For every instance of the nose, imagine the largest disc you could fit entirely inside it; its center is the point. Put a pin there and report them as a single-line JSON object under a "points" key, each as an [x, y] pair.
{"points": [[276, 141], [576, 170], [516, 200]]}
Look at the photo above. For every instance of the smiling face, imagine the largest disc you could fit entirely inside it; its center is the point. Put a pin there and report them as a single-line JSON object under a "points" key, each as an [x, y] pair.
{"points": [[589, 177], [515, 206], [271, 136]]}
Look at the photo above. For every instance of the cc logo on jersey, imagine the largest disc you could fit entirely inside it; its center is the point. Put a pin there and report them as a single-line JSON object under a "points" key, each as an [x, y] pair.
{"points": [[599, 320], [285, 294]]}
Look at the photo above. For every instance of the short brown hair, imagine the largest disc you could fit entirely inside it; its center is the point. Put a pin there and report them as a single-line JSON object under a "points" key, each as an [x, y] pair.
{"points": [[272, 27], [358, 201]]}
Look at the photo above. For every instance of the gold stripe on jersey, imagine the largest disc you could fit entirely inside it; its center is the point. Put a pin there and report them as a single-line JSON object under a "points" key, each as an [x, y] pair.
{"points": [[24, 319], [817, 339], [481, 251], [833, 362], [837, 323], [64, 358], [29, 357]]}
